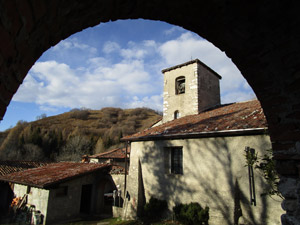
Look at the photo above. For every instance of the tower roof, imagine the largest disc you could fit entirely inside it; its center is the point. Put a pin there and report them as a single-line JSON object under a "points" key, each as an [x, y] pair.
{"points": [[191, 62]]}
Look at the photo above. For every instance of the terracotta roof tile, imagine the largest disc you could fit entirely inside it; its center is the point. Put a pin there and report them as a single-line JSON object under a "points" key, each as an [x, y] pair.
{"points": [[7, 167], [52, 173], [116, 169], [236, 116]]}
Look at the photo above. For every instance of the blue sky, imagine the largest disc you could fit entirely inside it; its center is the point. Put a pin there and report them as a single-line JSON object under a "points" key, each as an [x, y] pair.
{"points": [[116, 64]]}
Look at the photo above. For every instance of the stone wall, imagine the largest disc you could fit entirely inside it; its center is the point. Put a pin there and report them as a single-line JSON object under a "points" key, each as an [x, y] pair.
{"points": [[173, 101], [208, 89], [214, 175], [202, 90], [37, 197]]}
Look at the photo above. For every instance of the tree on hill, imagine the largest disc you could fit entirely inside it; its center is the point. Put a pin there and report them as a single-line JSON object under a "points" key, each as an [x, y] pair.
{"points": [[76, 147], [70, 135]]}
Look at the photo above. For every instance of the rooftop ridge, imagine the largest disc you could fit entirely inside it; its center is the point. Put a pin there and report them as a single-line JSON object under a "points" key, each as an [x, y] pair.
{"points": [[236, 116], [191, 62]]}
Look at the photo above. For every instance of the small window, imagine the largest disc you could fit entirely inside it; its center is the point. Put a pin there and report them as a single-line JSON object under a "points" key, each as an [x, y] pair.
{"points": [[173, 160], [28, 191], [180, 85], [176, 114], [62, 191]]}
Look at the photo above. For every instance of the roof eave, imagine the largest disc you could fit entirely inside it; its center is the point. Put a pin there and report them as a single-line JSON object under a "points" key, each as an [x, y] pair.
{"points": [[238, 132], [20, 182], [48, 185], [191, 62]]}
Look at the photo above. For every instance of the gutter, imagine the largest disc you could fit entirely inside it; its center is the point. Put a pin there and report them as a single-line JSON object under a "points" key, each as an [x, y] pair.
{"points": [[224, 133]]}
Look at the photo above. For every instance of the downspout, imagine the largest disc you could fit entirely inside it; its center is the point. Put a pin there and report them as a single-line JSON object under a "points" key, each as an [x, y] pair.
{"points": [[125, 181]]}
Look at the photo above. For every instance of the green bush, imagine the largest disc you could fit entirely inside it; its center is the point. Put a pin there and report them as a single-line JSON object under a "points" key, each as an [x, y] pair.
{"points": [[191, 214], [155, 208]]}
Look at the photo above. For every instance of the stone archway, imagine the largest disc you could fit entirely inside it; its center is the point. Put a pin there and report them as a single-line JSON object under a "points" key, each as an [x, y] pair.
{"points": [[261, 38], [104, 202]]}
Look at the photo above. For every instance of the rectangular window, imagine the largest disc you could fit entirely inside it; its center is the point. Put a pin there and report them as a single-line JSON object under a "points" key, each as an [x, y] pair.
{"points": [[62, 191], [180, 85], [173, 160]]}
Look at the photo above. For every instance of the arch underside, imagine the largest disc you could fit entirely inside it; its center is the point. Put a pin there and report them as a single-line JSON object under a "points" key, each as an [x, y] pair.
{"points": [[261, 38]]}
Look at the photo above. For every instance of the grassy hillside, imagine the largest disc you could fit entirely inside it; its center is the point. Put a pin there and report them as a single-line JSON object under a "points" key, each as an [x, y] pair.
{"points": [[70, 135]]}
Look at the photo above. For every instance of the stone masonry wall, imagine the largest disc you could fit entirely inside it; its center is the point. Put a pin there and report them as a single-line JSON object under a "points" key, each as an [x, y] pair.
{"points": [[208, 89], [202, 90], [186, 103]]}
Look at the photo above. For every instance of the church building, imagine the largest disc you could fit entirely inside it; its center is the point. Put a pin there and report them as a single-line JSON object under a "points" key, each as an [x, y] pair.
{"points": [[197, 153]]}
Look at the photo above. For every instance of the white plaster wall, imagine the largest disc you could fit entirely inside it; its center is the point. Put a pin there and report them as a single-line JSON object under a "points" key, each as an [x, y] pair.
{"points": [[213, 169], [37, 197], [119, 180]]}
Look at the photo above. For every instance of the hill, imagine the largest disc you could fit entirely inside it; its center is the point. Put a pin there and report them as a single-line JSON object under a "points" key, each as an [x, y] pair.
{"points": [[70, 135]]}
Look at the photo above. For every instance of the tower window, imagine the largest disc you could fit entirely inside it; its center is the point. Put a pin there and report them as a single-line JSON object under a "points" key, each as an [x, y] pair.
{"points": [[180, 85], [176, 114]]}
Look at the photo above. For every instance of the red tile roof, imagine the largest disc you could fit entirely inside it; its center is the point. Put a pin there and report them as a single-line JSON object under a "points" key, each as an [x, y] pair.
{"points": [[118, 153], [224, 120], [116, 169], [7, 167], [53, 173]]}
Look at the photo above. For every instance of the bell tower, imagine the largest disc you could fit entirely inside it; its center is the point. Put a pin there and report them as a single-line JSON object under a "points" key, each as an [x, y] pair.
{"points": [[189, 88]]}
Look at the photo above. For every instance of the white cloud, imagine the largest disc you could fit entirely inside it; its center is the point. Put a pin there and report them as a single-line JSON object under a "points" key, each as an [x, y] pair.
{"points": [[134, 80], [52, 84], [189, 46], [27, 92], [154, 102], [73, 43], [173, 30], [238, 96], [48, 108], [138, 50], [110, 47]]}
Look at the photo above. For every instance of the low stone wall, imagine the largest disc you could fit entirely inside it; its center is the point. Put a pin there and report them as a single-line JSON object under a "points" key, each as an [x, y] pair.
{"points": [[118, 211]]}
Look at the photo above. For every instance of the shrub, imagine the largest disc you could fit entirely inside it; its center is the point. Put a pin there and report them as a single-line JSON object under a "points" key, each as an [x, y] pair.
{"points": [[155, 208], [191, 214], [81, 114]]}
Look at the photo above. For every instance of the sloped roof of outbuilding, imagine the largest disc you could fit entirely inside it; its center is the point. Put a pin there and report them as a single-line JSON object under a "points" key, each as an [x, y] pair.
{"points": [[53, 173], [117, 153], [226, 120], [11, 166]]}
